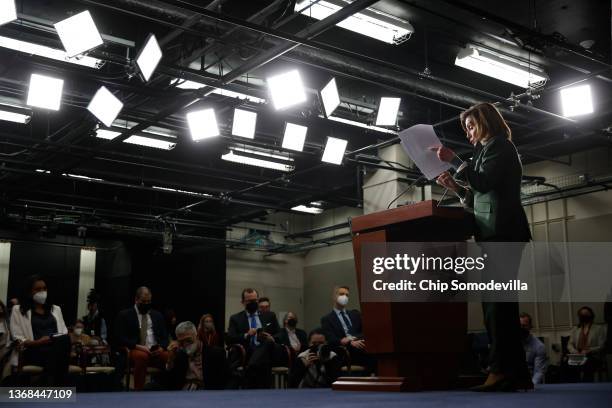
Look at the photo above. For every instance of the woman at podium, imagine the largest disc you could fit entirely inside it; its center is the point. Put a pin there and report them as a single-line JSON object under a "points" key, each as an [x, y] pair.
{"points": [[490, 185]]}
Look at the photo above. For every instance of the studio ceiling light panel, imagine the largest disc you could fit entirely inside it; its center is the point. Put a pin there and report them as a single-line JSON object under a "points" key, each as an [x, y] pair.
{"points": [[105, 106], [369, 22], [149, 57], [330, 97], [45, 92], [8, 11], [334, 150], [202, 124], [244, 123], [577, 101], [150, 142], [48, 52], [387, 111], [295, 136], [78, 33], [286, 89], [501, 67]]}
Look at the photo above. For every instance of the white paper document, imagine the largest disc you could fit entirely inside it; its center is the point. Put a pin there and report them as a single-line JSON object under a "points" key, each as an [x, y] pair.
{"points": [[417, 142]]}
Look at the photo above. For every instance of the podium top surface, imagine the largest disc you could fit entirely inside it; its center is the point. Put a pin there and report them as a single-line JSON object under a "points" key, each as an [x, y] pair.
{"points": [[405, 213]]}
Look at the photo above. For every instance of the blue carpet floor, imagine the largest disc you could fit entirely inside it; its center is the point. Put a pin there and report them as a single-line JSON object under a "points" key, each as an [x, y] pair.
{"points": [[553, 395]]}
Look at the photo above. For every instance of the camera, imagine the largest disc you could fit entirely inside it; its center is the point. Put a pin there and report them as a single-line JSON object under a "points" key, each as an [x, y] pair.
{"points": [[323, 351]]}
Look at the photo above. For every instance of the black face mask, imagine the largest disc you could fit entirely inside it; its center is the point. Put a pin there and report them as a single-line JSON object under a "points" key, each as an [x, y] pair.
{"points": [[251, 307], [583, 318], [144, 308], [292, 322]]}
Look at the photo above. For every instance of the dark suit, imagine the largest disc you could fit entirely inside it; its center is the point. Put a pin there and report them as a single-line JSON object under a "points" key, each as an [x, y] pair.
{"points": [[127, 328], [334, 333], [258, 373], [494, 178], [213, 369], [283, 338], [332, 327]]}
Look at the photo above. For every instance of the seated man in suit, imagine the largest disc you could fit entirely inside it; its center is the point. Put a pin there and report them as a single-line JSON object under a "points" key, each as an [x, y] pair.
{"points": [[143, 331], [535, 351], [342, 327], [254, 330]]}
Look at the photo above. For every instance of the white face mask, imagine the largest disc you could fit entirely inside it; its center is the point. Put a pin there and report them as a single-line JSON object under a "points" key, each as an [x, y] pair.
{"points": [[342, 300], [40, 297], [78, 331]]}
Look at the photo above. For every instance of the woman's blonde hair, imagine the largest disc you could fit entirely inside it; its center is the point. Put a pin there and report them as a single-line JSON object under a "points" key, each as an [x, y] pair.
{"points": [[488, 121]]}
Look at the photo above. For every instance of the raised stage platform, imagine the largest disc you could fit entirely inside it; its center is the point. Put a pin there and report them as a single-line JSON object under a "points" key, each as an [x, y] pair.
{"points": [[553, 395]]}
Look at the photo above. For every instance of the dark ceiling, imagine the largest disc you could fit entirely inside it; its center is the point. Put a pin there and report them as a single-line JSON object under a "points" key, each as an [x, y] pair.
{"points": [[240, 43]]}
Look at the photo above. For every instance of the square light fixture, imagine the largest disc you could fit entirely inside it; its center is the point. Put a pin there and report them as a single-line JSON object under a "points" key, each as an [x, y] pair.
{"points": [[78, 33], [334, 150], [577, 101], [8, 11], [148, 57], [501, 67], [286, 89], [202, 124], [387, 111], [330, 97], [369, 22], [295, 136], [105, 106], [244, 123], [45, 92]]}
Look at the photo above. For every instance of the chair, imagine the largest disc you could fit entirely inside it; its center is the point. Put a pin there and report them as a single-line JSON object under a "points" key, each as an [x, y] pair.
{"points": [[347, 367], [280, 374], [129, 372]]}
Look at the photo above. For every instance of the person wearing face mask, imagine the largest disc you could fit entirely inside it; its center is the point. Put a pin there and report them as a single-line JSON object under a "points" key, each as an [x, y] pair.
{"points": [[290, 335], [143, 331], [192, 365], [535, 352], [588, 339], [94, 322], [255, 331], [207, 333], [342, 327], [39, 327]]}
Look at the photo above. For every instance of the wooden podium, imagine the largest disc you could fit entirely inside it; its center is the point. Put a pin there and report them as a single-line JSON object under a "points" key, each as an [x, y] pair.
{"points": [[418, 346]]}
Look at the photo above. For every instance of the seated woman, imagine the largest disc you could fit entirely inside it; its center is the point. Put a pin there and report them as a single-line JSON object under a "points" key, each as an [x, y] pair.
{"points": [[290, 335], [40, 329], [207, 333]]}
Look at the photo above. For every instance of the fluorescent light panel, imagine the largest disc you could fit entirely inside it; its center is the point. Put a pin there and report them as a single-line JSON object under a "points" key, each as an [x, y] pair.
{"points": [[150, 142], [14, 113], [265, 153], [107, 134], [105, 106], [45, 92], [500, 67], [149, 57], [577, 100], [370, 22], [8, 11], [78, 33], [286, 89], [48, 52], [361, 125], [306, 209], [295, 136], [387, 111], [174, 190], [334, 150], [182, 84], [244, 123], [330, 97], [232, 156], [202, 124]]}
